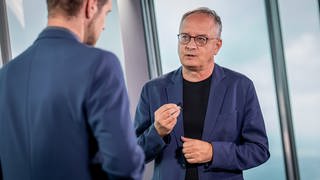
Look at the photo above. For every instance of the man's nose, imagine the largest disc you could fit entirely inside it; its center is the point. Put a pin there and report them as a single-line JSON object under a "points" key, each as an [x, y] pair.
{"points": [[191, 44]]}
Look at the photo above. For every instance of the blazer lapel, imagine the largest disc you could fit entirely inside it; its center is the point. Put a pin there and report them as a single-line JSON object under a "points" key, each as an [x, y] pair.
{"points": [[216, 97], [174, 95]]}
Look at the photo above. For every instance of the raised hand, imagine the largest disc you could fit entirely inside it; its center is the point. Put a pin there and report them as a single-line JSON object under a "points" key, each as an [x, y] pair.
{"points": [[166, 118]]}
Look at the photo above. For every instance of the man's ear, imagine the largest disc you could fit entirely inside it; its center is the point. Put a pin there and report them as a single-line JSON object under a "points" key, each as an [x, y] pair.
{"points": [[91, 7], [217, 46]]}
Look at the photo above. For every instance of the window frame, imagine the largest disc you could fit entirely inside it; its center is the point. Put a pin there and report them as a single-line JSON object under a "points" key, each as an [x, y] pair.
{"points": [[4, 34]]}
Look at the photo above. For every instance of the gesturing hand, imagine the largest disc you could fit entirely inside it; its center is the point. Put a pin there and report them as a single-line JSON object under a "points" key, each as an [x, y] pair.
{"points": [[166, 118], [196, 151]]}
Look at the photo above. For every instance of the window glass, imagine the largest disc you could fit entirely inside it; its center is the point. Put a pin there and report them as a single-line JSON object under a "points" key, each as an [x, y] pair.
{"points": [[0, 57], [110, 39], [25, 23], [301, 37], [28, 18], [245, 49]]}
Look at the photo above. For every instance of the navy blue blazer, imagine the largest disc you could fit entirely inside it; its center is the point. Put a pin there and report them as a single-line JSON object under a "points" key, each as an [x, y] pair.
{"points": [[64, 114], [233, 124]]}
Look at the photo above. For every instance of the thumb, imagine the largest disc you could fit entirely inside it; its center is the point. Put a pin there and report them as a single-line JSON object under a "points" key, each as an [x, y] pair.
{"points": [[184, 139]]}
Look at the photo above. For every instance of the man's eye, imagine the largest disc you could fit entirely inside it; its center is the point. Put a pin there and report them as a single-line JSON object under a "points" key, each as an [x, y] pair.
{"points": [[184, 36], [202, 39]]}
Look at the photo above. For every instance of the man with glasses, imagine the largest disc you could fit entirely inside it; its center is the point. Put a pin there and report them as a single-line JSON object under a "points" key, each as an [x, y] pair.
{"points": [[64, 108], [201, 121]]}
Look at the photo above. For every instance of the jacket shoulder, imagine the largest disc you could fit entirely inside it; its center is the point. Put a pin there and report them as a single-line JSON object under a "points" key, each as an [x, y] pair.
{"points": [[236, 77], [162, 80], [95, 57]]}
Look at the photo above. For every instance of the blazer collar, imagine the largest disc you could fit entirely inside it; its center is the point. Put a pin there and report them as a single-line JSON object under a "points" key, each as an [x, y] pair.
{"points": [[174, 95], [57, 33], [218, 75], [216, 97]]}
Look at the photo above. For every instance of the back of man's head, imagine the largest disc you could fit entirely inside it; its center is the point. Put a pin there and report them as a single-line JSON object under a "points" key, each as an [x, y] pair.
{"points": [[69, 7]]}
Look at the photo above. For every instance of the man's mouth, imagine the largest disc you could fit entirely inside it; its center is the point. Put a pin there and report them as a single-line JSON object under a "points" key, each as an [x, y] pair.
{"points": [[190, 55]]}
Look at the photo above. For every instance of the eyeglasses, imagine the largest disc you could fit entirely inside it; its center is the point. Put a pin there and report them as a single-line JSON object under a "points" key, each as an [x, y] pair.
{"points": [[200, 40]]}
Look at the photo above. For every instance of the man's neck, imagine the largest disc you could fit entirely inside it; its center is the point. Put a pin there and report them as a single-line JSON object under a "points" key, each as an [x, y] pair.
{"points": [[74, 25], [197, 75]]}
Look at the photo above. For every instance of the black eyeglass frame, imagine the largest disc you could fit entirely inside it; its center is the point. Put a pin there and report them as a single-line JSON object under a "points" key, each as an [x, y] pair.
{"points": [[195, 38]]}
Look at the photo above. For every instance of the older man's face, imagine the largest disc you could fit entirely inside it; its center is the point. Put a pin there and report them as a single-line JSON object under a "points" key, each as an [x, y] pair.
{"points": [[192, 56]]}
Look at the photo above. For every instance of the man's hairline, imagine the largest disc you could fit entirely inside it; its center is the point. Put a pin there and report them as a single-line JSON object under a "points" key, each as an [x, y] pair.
{"points": [[216, 33]]}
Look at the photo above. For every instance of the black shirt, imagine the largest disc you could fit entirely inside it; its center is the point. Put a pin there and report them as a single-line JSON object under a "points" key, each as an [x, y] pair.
{"points": [[195, 102]]}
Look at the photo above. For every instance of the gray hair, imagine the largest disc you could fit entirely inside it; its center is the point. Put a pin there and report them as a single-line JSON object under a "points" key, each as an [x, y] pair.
{"points": [[204, 10]]}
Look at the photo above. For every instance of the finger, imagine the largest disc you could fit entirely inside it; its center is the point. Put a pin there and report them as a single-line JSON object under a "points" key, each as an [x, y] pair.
{"points": [[164, 120], [187, 150], [166, 107], [175, 113], [188, 156], [172, 122], [192, 160], [170, 125], [184, 139], [187, 142], [190, 151], [168, 120], [169, 113]]}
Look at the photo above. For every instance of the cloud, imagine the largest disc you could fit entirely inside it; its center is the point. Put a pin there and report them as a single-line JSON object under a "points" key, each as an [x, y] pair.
{"points": [[302, 57], [16, 6]]}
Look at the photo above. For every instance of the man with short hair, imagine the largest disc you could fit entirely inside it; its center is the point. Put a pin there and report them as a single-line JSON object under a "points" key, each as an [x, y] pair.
{"points": [[64, 108], [201, 121]]}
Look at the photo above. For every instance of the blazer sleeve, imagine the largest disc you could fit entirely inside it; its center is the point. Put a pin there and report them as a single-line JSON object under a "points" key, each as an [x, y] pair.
{"points": [[109, 119], [148, 137], [253, 147]]}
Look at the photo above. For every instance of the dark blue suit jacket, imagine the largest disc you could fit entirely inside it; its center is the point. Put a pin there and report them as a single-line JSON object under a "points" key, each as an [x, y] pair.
{"points": [[233, 124], [64, 114]]}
